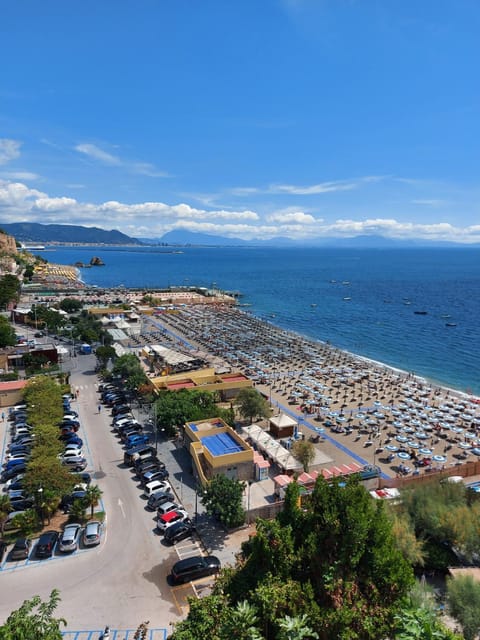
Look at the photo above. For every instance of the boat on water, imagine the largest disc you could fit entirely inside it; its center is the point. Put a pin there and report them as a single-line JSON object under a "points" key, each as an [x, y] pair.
{"points": [[347, 299], [314, 304], [420, 313], [450, 324], [32, 247]]}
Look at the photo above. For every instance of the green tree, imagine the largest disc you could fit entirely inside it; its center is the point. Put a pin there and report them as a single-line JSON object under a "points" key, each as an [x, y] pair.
{"points": [[77, 510], [205, 617], [10, 287], [70, 305], [174, 408], [463, 597], [304, 452], [240, 623], [34, 620], [222, 498], [92, 498], [27, 523], [129, 368], [251, 404], [5, 508], [104, 354], [7, 333]]}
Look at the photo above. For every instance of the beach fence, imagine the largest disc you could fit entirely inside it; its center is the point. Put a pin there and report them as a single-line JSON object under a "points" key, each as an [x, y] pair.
{"points": [[466, 470]]}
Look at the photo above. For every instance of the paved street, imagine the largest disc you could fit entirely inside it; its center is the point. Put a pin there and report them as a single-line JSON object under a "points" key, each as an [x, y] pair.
{"points": [[123, 581]]}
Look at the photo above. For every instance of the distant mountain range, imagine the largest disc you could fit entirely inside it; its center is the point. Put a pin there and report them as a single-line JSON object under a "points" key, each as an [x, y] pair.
{"points": [[65, 234], [77, 234]]}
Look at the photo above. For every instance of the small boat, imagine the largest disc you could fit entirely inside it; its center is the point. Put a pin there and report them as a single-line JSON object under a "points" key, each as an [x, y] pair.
{"points": [[347, 299], [314, 304], [445, 315], [420, 313], [450, 324], [407, 302]]}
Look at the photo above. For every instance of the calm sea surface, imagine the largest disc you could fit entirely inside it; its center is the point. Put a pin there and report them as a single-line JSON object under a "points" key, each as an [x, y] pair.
{"points": [[360, 300]]}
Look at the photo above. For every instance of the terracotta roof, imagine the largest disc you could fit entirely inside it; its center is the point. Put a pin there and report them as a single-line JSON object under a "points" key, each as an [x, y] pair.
{"points": [[13, 385]]}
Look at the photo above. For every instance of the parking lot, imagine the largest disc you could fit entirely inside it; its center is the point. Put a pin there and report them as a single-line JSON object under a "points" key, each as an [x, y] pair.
{"points": [[129, 569]]}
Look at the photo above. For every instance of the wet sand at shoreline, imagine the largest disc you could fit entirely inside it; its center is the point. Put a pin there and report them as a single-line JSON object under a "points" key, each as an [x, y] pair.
{"points": [[358, 410]]}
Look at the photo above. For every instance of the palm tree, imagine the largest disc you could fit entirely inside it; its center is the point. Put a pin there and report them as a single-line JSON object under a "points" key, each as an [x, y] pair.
{"points": [[92, 498], [5, 508], [296, 628]]}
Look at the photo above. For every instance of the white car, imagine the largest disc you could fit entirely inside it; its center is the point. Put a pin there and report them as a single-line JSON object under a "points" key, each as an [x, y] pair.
{"points": [[71, 453], [170, 518], [69, 538], [156, 485]]}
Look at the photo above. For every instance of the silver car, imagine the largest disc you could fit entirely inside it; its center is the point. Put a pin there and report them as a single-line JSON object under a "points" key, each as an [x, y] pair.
{"points": [[92, 533], [69, 538]]}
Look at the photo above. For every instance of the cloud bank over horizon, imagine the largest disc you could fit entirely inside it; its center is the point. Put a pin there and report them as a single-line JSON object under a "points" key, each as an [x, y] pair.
{"points": [[21, 203]]}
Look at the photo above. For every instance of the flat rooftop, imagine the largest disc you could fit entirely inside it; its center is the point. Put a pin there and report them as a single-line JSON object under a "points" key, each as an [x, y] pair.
{"points": [[221, 444]]}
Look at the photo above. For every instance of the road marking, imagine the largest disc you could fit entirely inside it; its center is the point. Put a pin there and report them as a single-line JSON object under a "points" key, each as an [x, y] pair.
{"points": [[120, 504]]}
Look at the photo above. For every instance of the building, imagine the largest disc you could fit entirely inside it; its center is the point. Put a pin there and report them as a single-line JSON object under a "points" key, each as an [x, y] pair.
{"points": [[217, 449], [227, 385], [11, 392]]}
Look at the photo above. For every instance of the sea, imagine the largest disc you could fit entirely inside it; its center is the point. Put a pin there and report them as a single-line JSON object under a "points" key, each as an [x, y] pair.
{"points": [[415, 309]]}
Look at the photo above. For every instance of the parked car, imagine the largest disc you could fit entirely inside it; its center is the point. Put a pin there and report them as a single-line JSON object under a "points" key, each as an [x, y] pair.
{"points": [[137, 439], [166, 507], [68, 500], [10, 522], [21, 503], [21, 549], [137, 453], [124, 422], [14, 483], [170, 518], [13, 471], [15, 463], [46, 544], [194, 567], [156, 485], [71, 438], [131, 430], [179, 531], [92, 533], [72, 446], [148, 464], [158, 498], [84, 478], [75, 463], [69, 538], [71, 453], [20, 455], [120, 408], [154, 473], [18, 448]]}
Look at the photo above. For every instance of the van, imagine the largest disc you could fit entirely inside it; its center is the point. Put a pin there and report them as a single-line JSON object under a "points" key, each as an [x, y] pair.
{"points": [[137, 453]]}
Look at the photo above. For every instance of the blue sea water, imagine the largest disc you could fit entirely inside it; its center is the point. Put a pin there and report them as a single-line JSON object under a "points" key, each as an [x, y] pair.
{"points": [[359, 300]]}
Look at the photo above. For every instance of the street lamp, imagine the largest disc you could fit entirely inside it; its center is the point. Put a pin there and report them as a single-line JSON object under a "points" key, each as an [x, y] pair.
{"points": [[40, 503], [248, 500]]}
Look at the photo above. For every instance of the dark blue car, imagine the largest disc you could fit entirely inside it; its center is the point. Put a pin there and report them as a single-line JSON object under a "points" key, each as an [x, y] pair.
{"points": [[133, 441]]}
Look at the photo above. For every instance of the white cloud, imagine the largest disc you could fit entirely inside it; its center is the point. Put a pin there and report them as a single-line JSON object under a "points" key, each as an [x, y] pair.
{"points": [[307, 190], [96, 153], [9, 150], [18, 202], [289, 217], [20, 175], [430, 202], [92, 151]]}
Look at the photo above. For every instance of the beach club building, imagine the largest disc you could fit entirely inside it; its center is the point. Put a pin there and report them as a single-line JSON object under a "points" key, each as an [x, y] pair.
{"points": [[215, 448], [227, 385]]}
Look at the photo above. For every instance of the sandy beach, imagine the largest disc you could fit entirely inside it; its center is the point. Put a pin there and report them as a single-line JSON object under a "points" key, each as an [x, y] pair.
{"points": [[354, 409]]}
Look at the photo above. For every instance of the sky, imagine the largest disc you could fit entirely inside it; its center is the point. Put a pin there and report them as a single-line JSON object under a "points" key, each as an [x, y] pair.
{"points": [[251, 119]]}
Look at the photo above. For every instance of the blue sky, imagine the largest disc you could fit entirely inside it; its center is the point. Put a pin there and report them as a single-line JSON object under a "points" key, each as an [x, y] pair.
{"points": [[250, 119]]}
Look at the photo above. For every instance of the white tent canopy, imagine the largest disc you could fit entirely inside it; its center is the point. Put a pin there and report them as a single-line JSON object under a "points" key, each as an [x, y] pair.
{"points": [[271, 447]]}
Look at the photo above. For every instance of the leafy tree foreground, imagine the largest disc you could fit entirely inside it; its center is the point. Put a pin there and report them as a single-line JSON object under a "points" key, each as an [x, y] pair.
{"points": [[329, 569]]}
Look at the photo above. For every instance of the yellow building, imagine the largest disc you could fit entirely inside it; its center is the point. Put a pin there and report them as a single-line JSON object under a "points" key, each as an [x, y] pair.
{"points": [[227, 385], [216, 449]]}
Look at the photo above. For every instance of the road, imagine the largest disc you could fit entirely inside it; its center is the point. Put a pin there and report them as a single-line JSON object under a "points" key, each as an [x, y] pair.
{"points": [[123, 581]]}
